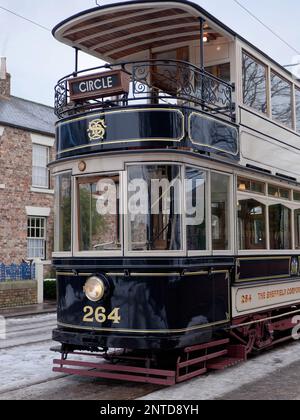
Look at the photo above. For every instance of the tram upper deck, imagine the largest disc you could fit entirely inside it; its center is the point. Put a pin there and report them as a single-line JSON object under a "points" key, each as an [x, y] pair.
{"points": [[184, 79]]}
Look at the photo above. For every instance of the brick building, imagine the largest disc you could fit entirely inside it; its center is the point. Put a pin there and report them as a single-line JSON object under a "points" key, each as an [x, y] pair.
{"points": [[26, 189]]}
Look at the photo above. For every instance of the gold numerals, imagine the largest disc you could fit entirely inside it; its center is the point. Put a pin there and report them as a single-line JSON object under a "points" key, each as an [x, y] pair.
{"points": [[100, 315]]}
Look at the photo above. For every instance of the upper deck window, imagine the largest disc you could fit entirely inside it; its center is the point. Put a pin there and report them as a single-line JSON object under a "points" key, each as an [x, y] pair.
{"points": [[281, 92], [254, 83], [297, 95]]}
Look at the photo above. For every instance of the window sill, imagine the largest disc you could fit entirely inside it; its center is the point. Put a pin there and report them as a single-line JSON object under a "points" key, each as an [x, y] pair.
{"points": [[42, 190]]}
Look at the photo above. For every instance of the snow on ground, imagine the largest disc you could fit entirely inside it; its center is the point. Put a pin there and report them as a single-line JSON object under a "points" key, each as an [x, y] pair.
{"points": [[217, 384], [25, 365]]}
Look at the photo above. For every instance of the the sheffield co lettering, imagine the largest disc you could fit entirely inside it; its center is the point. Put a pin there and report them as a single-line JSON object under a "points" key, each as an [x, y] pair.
{"points": [[94, 86]]}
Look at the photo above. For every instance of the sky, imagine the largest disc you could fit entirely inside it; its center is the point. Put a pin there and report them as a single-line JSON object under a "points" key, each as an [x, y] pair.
{"points": [[37, 61]]}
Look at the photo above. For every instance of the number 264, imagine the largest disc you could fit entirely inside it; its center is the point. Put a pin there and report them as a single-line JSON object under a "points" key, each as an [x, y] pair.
{"points": [[100, 315]]}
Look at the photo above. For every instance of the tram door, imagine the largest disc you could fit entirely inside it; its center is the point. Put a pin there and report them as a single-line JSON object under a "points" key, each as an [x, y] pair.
{"points": [[168, 75]]}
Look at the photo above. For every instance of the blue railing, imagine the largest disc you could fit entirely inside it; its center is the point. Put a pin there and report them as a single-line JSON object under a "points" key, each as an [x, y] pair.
{"points": [[14, 272]]}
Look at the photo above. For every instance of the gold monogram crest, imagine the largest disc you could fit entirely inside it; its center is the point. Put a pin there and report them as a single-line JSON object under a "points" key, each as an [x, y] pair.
{"points": [[97, 129]]}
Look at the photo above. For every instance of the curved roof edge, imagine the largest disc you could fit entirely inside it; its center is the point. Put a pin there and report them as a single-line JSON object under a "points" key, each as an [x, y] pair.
{"points": [[191, 4]]}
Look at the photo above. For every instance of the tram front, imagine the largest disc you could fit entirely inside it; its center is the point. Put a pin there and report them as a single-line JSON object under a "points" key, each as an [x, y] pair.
{"points": [[143, 241]]}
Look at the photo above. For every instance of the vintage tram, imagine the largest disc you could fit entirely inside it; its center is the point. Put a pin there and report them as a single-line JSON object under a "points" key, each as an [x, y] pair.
{"points": [[177, 194]]}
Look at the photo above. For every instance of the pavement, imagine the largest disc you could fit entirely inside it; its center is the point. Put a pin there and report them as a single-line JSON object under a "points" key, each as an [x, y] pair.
{"points": [[30, 310]]}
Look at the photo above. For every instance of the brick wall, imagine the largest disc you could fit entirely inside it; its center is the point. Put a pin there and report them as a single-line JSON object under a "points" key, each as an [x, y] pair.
{"points": [[18, 293], [16, 175]]}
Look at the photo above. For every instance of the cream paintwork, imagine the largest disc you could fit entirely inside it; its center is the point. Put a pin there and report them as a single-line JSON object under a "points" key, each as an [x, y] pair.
{"points": [[264, 297]]}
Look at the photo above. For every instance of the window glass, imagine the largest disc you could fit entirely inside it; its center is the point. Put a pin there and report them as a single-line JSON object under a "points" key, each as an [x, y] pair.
{"points": [[281, 93], [297, 94], [63, 213], [297, 195], [154, 208], [195, 207], [254, 83], [220, 199], [221, 71], [251, 185], [36, 238], [40, 172], [99, 215], [278, 192], [280, 227], [297, 229], [251, 225]]}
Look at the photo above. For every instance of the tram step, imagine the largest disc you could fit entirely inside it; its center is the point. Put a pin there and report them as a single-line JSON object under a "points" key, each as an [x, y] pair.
{"points": [[223, 363]]}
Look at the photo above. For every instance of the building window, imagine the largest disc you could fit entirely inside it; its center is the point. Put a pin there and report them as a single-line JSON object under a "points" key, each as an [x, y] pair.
{"points": [[254, 84], [36, 237], [252, 225], [280, 227], [281, 92], [63, 213], [297, 94], [40, 171]]}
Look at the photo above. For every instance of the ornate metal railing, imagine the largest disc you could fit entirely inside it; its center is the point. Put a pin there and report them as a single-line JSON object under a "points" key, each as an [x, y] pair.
{"points": [[17, 272], [155, 82]]}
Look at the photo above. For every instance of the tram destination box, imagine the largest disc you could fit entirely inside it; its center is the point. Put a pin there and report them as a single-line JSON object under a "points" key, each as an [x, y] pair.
{"points": [[99, 85]]}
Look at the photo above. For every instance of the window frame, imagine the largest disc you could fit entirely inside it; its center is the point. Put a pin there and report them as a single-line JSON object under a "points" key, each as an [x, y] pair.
{"points": [[76, 213], [268, 201], [260, 62], [292, 98], [44, 238], [126, 227], [56, 254], [33, 185], [270, 67]]}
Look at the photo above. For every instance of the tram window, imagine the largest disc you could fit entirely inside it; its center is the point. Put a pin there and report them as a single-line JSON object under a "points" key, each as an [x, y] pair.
{"points": [[99, 215], [297, 195], [281, 93], [251, 225], [251, 185], [297, 229], [280, 227], [297, 94], [254, 83], [154, 208], [278, 192], [196, 208], [63, 211], [220, 199]]}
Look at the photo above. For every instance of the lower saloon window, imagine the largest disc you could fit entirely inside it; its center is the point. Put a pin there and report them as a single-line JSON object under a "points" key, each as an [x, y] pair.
{"points": [[251, 225], [154, 208], [63, 213], [99, 214], [297, 229], [220, 199], [195, 206], [280, 227]]}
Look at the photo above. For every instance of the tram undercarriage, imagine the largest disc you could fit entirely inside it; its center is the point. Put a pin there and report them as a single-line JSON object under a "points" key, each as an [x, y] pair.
{"points": [[246, 337]]}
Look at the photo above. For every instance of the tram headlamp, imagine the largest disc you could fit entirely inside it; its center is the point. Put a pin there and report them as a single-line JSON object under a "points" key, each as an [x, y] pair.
{"points": [[94, 289]]}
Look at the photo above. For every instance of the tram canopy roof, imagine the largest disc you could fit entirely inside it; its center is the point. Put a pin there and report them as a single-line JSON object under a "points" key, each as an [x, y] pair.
{"points": [[115, 32]]}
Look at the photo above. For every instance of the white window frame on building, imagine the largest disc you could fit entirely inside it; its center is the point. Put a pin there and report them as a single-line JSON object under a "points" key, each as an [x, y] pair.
{"points": [[36, 237], [40, 171], [40, 164], [36, 232]]}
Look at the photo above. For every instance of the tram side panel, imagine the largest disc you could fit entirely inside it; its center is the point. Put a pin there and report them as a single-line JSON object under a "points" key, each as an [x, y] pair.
{"points": [[159, 311]]}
